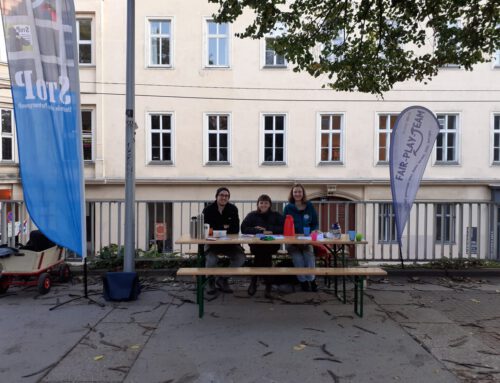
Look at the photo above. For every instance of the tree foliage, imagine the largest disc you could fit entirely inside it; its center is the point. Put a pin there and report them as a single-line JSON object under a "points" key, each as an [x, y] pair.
{"points": [[370, 45]]}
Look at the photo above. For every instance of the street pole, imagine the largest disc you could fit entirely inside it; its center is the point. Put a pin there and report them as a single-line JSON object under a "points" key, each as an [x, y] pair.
{"points": [[128, 260]]}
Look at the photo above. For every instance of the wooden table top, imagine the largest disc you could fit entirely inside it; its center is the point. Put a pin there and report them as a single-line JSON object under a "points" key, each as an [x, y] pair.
{"points": [[234, 239]]}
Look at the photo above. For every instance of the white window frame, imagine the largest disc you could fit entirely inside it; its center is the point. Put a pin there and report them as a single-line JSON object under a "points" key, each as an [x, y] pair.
{"points": [[445, 132], [207, 132], [262, 138], [331, 133], [11, 136], [496, 59], [3, 47], [278, 31], [150, 36], [457, 23], [90, 42], [90, 109], [207, 37], [149, 141], [387, 131], [495, 131]]}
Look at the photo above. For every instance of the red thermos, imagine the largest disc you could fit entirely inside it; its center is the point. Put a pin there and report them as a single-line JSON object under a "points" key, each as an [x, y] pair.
{"points": [[289, 227]]}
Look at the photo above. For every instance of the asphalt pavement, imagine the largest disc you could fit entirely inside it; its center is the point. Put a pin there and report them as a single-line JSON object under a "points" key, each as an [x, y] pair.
{"points": [[414, 329]]}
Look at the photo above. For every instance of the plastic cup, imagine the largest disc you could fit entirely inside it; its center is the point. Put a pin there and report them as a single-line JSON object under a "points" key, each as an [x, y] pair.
{"points": [[314, 236], [307, 230], [352, 235]]}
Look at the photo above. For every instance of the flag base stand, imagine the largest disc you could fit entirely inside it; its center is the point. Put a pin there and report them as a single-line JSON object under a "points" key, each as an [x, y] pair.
{"points": [[121, 286], [85, 291]]}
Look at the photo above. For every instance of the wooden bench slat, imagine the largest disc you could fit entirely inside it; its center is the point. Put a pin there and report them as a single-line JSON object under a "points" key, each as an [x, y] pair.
{"points": [[249, 271]]}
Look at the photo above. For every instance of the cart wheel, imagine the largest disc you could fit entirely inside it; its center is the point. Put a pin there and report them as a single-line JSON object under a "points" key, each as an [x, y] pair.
{"points": [[64, 273], [4, 285], [44, 283]]}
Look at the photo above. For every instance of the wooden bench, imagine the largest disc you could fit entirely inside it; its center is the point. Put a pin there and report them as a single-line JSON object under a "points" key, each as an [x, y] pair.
{"points": [[358, 273]]}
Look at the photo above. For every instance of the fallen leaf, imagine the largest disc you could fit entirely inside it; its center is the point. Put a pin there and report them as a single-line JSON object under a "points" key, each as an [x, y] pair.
{"points": [[300, 347], [98, 357], [135, 347], [475, 301]]}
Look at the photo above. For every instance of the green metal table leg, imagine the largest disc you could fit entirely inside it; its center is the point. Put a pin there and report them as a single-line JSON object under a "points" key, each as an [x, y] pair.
{"points": [[344, 297], [358, 295], [200, 282]]}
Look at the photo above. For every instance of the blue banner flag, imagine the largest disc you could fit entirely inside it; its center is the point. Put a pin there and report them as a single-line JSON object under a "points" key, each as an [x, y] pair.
{"points": [[412, 140], [40, 36]]}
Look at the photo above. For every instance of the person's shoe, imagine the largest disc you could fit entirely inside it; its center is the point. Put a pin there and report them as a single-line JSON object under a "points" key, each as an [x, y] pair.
{"points": [[252, 289], [267, 293], [223, 285], [314, 287], [211, 289], [305, 286]]}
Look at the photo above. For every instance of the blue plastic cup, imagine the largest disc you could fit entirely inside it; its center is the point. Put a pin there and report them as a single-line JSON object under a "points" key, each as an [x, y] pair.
{"points": [[352, 235], [307, 230]]}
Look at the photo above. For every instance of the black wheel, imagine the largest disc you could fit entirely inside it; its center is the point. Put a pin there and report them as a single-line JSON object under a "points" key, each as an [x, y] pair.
{"points": [[64, 273], [44, 283], [4, 285]]}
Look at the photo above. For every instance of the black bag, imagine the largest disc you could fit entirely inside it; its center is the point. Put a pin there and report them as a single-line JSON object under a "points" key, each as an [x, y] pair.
{"points": [[38, 242], [121, 286], [284, 279]]}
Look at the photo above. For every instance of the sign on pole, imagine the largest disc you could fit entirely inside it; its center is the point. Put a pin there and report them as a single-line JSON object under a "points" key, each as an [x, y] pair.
{"points": [[40, 36], [412, 140]]}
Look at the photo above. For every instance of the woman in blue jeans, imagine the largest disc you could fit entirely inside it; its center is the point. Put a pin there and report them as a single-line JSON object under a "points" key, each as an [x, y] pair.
{"points": [[304, 215]]}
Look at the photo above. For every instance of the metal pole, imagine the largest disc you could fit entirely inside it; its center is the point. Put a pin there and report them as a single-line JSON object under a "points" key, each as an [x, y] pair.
{"points": [[128, 260]]}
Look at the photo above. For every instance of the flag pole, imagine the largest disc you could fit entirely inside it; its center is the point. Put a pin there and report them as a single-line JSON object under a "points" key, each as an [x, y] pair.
{"points": [[128, 261]]}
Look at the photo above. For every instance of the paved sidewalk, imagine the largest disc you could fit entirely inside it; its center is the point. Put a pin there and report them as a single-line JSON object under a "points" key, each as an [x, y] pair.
{"points": [[426, 329]]}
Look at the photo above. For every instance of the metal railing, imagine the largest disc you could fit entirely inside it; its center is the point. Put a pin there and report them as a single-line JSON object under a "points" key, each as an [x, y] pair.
{"points": [[435, 230]]}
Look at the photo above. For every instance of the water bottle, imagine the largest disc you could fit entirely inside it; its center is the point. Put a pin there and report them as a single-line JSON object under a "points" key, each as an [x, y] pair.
{"points": [[200, 229], [336, 231], [193, 227], [306, 224], [289, 227]]}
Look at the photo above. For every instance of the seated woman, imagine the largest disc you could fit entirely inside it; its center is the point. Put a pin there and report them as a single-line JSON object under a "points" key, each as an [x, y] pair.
{"points": [[262, 221], [304, 215]]}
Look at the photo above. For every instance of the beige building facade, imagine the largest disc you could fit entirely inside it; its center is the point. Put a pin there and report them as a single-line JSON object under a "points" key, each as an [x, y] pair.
{"points": [[212, 109]]}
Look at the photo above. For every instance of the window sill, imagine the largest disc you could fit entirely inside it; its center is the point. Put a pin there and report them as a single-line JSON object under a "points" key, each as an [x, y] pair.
{"points": [[88, 163], [275, 67], [161, 163], [446, 163], [209, 67], [331, 163], [275, 163], [217, 163], [6, 163], [86, 66], [160, 67]]}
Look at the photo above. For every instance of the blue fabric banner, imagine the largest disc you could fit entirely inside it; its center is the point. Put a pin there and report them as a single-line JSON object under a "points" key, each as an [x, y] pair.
{"points": [[41, 50], [412, 140]]}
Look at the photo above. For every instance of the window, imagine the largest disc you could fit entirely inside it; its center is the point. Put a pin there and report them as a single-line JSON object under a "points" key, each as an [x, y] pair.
{"points": [[161, 137], [496, 59], [336, 42], [217, 54], [496, 139], [331, 138], [7, 148], [160, 38], [456, 25], [385, 125], [447, 139], [3, 49], [217, 139], [87, 134], [272, 58], [84, 36], [386, 223], [445, 223], [274, 139]]}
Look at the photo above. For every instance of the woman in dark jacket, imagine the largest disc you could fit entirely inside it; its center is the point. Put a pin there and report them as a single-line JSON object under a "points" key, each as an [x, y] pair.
{"points": [[262, 221]]}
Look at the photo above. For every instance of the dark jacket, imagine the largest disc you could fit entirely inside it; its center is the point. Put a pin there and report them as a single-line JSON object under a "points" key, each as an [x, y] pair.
{"points": [[271, 220], [299, 216], [217, 221]]}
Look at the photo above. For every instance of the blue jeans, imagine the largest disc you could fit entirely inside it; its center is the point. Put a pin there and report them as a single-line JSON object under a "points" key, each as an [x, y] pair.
{"points": [[302, 256]]}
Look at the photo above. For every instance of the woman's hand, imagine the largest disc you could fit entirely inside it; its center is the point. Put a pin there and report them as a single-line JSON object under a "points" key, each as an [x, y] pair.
{"points": [[260, 228]]}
